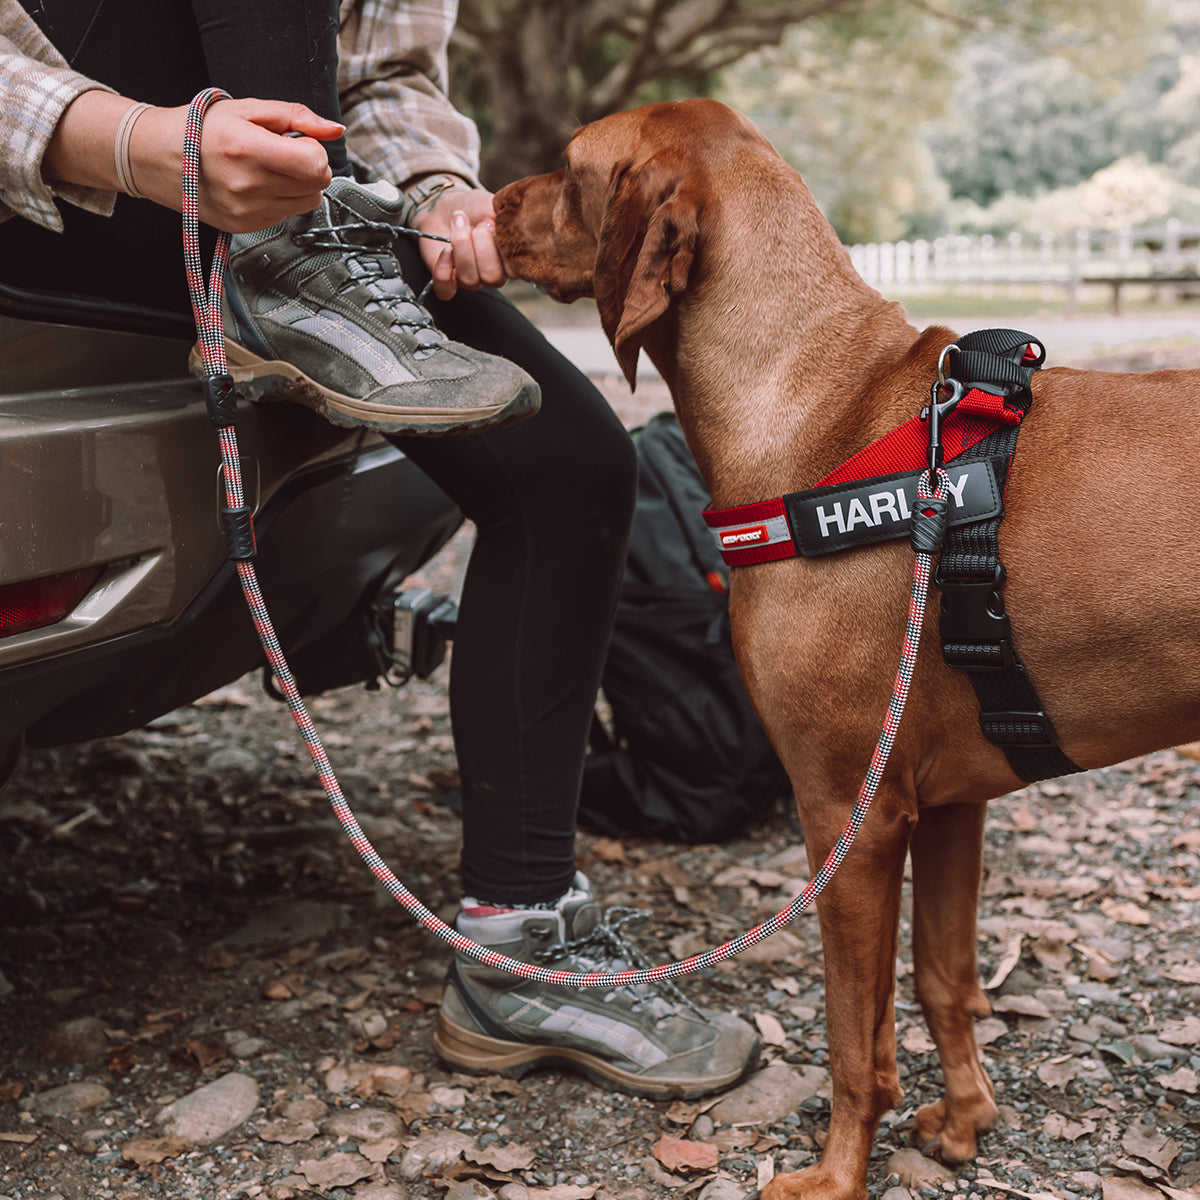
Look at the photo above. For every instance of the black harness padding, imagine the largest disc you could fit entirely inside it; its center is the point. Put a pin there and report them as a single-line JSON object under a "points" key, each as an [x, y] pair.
{"points": [[976, 634]]}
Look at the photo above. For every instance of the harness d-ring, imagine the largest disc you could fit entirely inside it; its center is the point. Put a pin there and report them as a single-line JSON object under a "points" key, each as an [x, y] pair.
{"points": [[218, 388], [941, 362]]}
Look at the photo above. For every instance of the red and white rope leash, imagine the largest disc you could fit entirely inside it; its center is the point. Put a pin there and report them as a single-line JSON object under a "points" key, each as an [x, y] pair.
{"points": [[206, 305]]}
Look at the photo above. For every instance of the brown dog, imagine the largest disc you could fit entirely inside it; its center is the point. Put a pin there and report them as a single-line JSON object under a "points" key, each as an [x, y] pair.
{"points": [[705, 249]]}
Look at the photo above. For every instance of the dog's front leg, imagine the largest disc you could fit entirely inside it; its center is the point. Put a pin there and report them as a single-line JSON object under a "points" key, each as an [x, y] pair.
{"points": [[947, 855], [859, 914]]}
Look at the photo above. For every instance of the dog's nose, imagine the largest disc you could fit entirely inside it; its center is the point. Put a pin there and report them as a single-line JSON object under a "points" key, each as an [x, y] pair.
{"points": [[507, 196]]}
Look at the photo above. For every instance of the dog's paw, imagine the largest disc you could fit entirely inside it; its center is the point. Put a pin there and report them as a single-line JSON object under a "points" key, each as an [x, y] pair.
{"points": [[813, 1183], [950, 1136]]}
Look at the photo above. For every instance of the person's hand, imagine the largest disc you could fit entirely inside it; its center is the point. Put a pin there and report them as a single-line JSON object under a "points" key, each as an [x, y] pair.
{"points": [[471, 260], [251, 176]]}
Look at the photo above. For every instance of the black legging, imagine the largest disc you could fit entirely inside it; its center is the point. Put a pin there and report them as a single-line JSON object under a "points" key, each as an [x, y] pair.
{"points": [[552, 497]]}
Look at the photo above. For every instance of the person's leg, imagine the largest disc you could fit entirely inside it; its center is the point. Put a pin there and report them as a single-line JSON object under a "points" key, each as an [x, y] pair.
{"points": [[552, 500], [276, 50]]}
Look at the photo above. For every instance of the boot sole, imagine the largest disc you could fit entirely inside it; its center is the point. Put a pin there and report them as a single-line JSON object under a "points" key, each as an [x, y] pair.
{"points": [[479, 1054], [265, 379]]}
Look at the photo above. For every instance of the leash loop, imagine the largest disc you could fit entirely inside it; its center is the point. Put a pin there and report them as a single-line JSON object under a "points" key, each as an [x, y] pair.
{"points": [[238, 519]]}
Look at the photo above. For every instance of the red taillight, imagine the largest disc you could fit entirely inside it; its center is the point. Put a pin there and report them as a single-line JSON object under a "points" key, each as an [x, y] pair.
{"points": [[38, 602]]}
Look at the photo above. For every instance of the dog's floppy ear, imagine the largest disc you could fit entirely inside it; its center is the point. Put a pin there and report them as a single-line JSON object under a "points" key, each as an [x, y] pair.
{"points": [[646, 245]]}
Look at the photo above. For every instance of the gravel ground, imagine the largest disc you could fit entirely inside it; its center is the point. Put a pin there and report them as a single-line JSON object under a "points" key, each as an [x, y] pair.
{"points": [[205, 997]]}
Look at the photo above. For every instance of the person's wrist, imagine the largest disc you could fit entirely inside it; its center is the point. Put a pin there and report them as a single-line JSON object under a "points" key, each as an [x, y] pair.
{"points": [[156, 154], [422, 196], [122, 161]]}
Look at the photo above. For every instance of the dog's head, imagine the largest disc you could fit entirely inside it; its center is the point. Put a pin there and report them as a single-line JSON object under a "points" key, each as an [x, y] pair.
{"points": [[622, 220]]}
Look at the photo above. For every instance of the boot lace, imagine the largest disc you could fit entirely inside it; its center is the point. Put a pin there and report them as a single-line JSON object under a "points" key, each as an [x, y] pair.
{"points": [[608, 949], [365, 247]]}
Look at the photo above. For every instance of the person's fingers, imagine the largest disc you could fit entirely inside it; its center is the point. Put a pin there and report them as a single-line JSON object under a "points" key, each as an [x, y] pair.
{"points": [[445, 282], [489, 264], [462, 242], [281, 116], [259, 150]]}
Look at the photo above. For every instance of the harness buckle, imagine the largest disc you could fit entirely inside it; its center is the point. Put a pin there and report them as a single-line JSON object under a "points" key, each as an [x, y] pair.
{"points": [[973, 609], [1030, 729]]}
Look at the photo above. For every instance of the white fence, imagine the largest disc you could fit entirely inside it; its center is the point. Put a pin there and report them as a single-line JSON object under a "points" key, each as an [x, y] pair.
{"points": [[1048, 267]]}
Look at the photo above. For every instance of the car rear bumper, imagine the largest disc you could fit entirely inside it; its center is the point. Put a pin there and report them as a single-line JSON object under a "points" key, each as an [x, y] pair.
{"points": [[124, 477]]}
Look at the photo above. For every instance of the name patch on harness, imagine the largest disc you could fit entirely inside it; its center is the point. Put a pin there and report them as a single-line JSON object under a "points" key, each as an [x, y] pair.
{"points": [[875, 510]]}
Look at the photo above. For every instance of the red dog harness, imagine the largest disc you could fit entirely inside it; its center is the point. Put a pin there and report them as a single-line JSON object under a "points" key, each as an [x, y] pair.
{"points": [[871, 498]]}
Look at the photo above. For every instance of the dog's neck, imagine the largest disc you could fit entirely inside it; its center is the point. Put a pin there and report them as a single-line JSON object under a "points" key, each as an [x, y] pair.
{"points": [[808, 368]]}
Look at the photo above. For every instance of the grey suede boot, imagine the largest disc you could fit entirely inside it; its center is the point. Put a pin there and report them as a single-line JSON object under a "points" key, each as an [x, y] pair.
{"points": [[316, 311], [650, 1041]]}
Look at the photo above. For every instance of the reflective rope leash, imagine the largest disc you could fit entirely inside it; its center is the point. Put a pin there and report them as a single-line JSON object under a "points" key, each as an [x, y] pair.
{"points": [[239, 532]]}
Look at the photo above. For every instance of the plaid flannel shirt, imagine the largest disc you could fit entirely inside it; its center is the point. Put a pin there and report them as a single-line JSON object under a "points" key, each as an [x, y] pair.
{"points": [[392, 78], [36, 85]]}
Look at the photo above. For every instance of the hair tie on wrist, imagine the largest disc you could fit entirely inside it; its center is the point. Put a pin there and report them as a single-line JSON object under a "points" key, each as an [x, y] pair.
{"points": [[124, 162]]}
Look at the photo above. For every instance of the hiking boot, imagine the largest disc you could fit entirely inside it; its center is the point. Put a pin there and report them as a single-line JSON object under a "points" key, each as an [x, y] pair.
{"points": [[316, 311], [650, 1041]]}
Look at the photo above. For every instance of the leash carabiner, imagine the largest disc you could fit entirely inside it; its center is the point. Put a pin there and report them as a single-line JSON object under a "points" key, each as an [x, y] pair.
{"points": [[937, 412]]}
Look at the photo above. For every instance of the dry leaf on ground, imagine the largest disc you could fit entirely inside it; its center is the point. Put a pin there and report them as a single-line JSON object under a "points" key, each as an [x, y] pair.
{"points": [[1067, 1128], [1151, 1145], [1184, 1080], [678, 1155], [504, 1158], [1184, 1032], [336, 1170], [145, 1152]]}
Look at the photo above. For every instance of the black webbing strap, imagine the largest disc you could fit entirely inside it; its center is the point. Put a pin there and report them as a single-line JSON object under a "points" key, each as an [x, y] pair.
{"points": [[975, 629]]}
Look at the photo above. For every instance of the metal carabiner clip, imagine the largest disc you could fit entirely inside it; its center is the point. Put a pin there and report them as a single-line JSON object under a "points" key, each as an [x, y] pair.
{"points": [[937, 412]]}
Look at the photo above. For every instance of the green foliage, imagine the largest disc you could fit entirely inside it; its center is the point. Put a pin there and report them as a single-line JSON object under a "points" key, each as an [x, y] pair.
{"points": [[890, 109]]}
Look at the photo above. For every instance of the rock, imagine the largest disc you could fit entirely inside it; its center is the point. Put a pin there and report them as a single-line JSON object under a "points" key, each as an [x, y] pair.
{"points": [[82, 1040], [212, 1111], [71, 1099], [897, 1193], [116, 757], [470, 1189], [1097, 993], [772, 1094], [449, 1098], [286, 924], [723, 1188], [367, 1025], [306, 1108], [246, 1047], [363, 1124], [1151, 1049], [233, 761], [776, 948]]}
